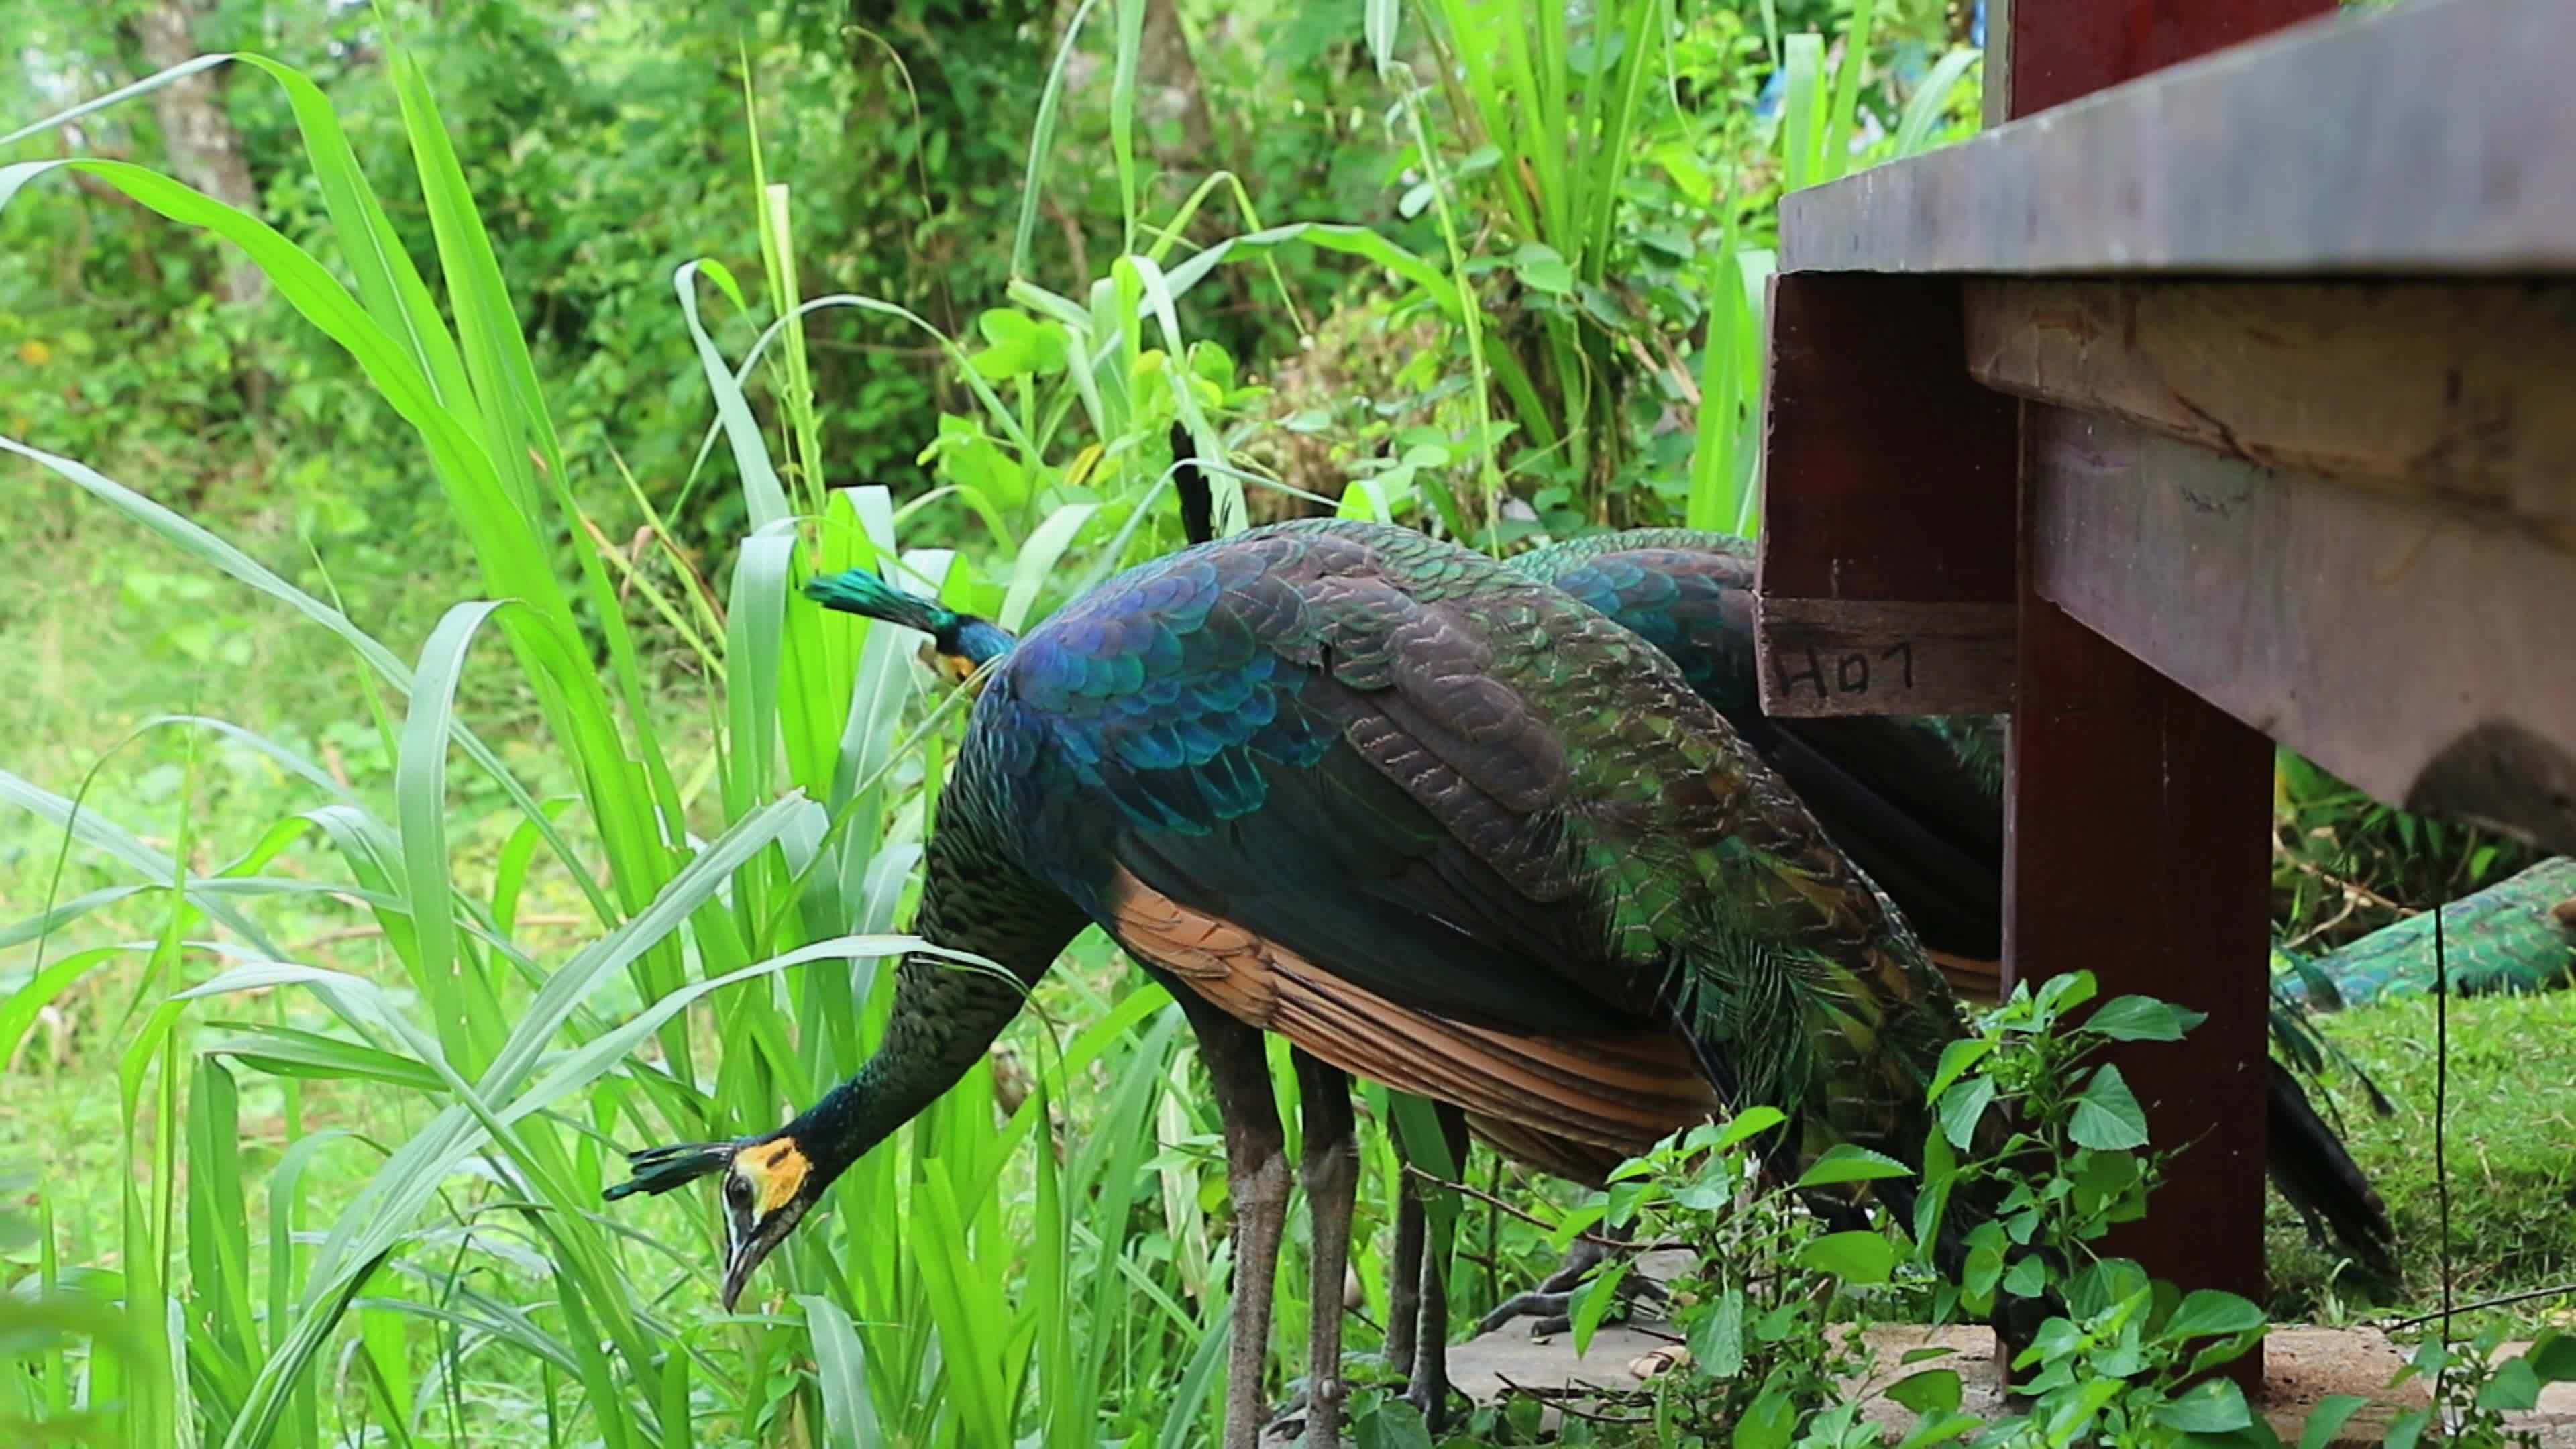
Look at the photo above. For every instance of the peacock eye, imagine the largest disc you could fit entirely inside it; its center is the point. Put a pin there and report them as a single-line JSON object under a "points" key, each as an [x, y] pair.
{"points": [[737, 1192]]}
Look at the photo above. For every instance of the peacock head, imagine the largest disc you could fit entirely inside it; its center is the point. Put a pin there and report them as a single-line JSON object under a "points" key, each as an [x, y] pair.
{"points": [[769, 1184], [960, 644]]}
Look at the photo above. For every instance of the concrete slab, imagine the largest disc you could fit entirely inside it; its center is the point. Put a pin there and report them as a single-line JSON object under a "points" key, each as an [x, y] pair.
{"points": [[2302, 1366]]}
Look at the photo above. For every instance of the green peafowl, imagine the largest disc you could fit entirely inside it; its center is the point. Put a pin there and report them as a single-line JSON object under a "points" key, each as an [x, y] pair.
{"points": [[1437, 823]]}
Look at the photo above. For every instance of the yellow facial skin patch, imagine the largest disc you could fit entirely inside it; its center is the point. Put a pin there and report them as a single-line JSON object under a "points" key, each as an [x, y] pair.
{"points": [[954, 668], [779, 1169]]}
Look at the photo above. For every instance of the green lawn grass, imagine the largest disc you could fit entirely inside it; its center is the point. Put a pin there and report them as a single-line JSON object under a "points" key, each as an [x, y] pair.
{"points": [[2511, 1150]]}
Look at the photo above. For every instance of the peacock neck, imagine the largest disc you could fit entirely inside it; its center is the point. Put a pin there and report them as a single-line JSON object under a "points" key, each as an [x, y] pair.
{"points": [[946, 1012]]}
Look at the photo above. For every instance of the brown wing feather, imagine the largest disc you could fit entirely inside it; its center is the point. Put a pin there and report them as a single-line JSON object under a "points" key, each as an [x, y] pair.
{"points": [[1621, 1092]]}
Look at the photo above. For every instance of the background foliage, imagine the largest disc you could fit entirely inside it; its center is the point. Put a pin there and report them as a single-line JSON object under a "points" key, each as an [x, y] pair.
{"points": [[404, 602]]}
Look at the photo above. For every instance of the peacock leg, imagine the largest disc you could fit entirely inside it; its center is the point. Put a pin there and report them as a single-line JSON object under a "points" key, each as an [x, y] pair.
{"points": [[1332, 1175], [1404, 1277], [1429, 1389], [1256, 1162]]}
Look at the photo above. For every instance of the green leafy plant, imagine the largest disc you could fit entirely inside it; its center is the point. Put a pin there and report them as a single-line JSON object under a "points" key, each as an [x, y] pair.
{"points": [[1775, 1319], [2473, 1390], [1772, 1320], [2069, 1157]]}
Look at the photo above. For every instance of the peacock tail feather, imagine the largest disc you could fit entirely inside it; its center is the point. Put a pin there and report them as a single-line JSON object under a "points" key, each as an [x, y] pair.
{"points": [[2516, 935]]}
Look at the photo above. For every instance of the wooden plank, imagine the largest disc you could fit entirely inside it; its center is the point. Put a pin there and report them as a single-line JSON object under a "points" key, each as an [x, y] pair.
{"points": [[2428, 138], [2070, 55], [1841, 656], [1888, 477], [2463, 392], [2138, 850], [2428, 658]]}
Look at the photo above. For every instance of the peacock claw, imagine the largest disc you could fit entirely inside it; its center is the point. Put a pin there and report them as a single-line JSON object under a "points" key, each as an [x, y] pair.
{"points": [[1551, 1303]]}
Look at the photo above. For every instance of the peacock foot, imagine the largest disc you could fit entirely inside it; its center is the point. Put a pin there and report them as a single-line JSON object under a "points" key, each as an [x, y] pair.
{"points": [[1550, 1305], [1428, 1393]]}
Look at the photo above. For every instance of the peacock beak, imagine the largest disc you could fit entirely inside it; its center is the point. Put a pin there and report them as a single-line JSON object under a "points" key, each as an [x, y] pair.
{"points": [[750, 1240], [744, 1251]]}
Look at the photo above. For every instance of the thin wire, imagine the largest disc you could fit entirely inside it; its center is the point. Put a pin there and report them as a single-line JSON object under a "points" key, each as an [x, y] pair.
{"points": [[2563, 1290], [2441, 1109]]}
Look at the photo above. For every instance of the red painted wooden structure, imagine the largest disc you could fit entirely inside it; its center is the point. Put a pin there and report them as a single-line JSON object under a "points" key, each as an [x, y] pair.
{"points": [[2223, 392]]}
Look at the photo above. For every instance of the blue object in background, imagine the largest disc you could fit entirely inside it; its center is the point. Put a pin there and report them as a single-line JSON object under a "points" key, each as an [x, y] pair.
{"points": [[1910, 64]]}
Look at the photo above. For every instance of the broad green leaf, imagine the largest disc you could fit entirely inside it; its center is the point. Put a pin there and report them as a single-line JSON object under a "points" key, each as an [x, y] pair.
{"points": [[2206, 1311], [1956, 1059], [2063, 993], [1717, 1340], [1542, 268], [1844, 1162], [1961, 1108], [2140, 1018], [2212, 1406], [2515, 1387], [2027, 1277], [1940, 1431], [1769, 1423], [2104, 1284], [1396, 1424], [2076, 1410], [2107, 1117], [2553, 1357], [1594, 1299], [1857, 1257], [1929, 1391], [2327, 1419], [1746, 1124]]}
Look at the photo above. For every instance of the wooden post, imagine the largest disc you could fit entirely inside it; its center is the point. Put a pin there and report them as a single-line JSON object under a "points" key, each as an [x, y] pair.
{"points": [[2137, 814], [2136, 847], [2288, 433]]}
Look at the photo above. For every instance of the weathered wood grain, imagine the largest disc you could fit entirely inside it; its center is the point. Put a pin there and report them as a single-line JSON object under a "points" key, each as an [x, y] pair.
{"points": [[1889, 475], [2427, 657], [2428, 138], [1845, 656], [2462, 392], [1888, 472]]}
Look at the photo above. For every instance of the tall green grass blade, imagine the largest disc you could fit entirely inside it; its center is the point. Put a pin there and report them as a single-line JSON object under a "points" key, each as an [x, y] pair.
{"points": [[840, 1364], [1931, 101], [1801, 113], [420, 800], [1836, 144], [1122, 114]]}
